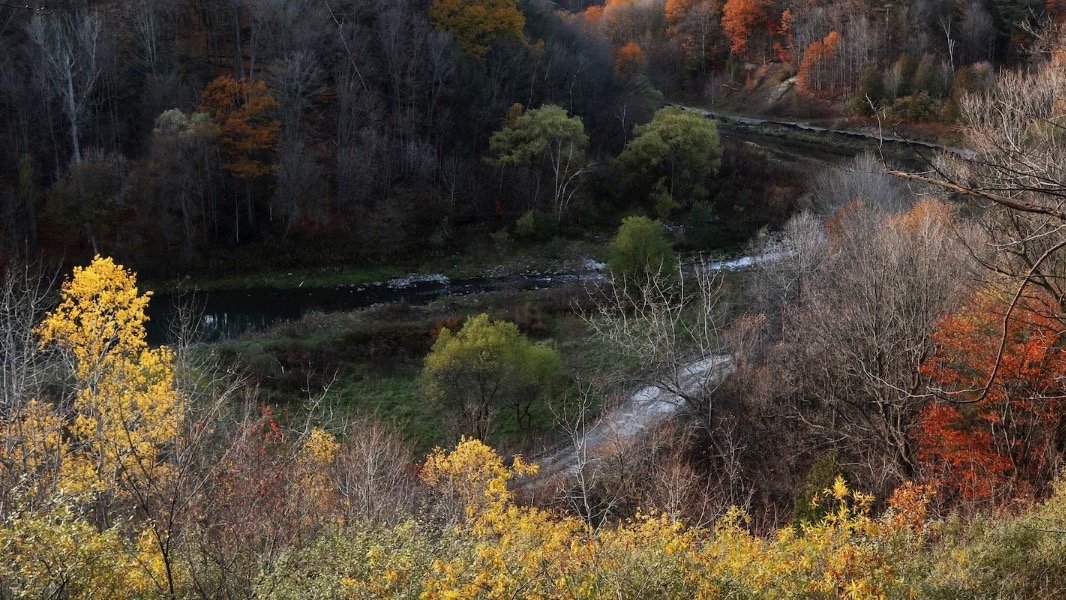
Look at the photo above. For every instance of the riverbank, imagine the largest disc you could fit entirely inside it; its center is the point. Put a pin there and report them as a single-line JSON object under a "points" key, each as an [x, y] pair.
{"points": [[482, 260]]}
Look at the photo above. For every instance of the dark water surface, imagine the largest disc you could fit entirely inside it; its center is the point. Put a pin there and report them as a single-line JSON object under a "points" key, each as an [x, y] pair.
{"points": [[230, 313]]}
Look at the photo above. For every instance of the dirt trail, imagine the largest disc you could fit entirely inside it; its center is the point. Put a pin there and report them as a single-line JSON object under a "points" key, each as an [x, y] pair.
{"points": [[642, 411], [751, 122]]}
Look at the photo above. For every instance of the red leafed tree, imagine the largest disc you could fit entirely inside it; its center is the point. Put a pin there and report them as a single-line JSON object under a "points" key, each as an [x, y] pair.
{"points": [[1001, 444], [741, 19], [816, 69]]}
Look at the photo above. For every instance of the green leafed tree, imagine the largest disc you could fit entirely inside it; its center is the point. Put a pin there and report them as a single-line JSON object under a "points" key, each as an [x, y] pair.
{"points": [[487, 365], [639, 248], [551, 141], [674, 157]]}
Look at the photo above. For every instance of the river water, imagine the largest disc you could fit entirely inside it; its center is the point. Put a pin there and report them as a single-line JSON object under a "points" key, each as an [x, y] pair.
{"points": [[230, 313]]}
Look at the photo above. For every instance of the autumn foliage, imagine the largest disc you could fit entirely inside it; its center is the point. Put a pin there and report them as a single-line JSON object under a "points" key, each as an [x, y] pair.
{"points": [[476, 24], [630, 61], [243, 111], [783, 47], [741, 20], [994, 444], [815, 71]]}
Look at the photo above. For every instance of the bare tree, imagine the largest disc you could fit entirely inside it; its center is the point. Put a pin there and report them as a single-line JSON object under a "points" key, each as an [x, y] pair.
{"points": [[1014, 171], [855, 321], [669, 325], [69, 63], [862, 178], [373, 475]]}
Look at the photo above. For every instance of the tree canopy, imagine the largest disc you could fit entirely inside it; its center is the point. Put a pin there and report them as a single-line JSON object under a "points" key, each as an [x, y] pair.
{"points": [[547, 138], [476, 24], [484, 366], [676, 153], [639, 246]]}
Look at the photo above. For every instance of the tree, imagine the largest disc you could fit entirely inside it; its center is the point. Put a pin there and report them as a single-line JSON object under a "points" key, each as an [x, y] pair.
{"points": [[1001, 443], [546, 137], [1014, 173], [783, 49], [484, 365], [693, 25], [668, 323], [185, 160], [640, 247], [476, 24], [816, 69], [69, 45], [115, 443], [630, 61], [856, 304], [741, 19], [247, 132], [127, 408], [678, 151]]}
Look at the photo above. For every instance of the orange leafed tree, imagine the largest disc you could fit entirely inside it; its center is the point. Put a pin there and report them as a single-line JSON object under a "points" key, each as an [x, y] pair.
{"points": [[994, 445], [630, 62], [815, 71], [243, 111], [740, 20], [692, 25], [593, 14]]}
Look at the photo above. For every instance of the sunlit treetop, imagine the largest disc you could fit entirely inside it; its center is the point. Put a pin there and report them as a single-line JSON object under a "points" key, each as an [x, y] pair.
{"points": [[476, 24], [100, 313]]}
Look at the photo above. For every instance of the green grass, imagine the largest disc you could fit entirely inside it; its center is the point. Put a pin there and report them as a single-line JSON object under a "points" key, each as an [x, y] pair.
{"points": [[393, 396], [371, 360]]}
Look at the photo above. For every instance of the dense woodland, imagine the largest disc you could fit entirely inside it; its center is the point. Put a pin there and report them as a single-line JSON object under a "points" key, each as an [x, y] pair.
{"points": [[223, 136], [869, 404]]}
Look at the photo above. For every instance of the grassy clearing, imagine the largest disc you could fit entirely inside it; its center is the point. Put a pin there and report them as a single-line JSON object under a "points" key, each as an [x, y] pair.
{"points": [[370, 360]]}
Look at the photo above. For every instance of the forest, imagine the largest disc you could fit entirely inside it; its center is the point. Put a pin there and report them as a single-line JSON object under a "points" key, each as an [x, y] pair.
{"points": [[451, 299]]}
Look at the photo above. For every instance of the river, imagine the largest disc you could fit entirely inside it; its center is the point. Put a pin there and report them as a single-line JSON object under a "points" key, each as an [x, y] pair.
{"points": [[230, 313]]}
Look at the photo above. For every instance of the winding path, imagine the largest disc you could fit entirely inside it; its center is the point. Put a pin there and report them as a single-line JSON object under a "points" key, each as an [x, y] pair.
{"points": [[642, 411]]}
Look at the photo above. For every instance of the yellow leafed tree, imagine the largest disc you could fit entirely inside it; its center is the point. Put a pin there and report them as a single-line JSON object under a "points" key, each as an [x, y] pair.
{"points": [[126, 407], [475, 24]]}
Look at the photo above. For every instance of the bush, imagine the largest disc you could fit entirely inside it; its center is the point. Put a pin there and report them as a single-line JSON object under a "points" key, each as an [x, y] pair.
{"points": [[919, 107], [536, 226], [701, 231], [639, 246], [871, 90]]}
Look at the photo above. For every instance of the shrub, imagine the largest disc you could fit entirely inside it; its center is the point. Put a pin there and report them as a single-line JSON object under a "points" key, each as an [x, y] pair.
{"points": [[639, 246], [536, 226]]}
